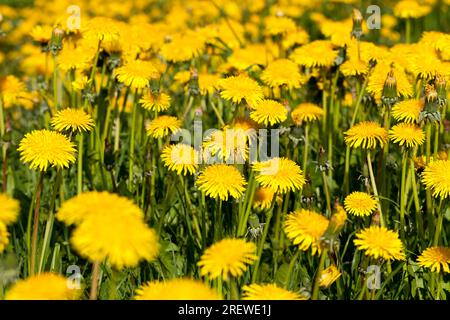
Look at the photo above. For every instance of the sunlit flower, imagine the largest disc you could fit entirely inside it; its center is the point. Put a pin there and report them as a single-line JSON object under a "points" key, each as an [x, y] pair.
{"points": [[379, 242], [9, 209], [227, 257], [367, 135], [41, 33], [181, 158], [269, 292], [282, 72], [407, 110], [306, 112], [72, 120], [410, 9], [74, 59], [435, 258], [81, 83], [305, 228], [136, 73], [44, 148], [329, 276], [360, 204], [436, 177], [238, 88], [268, 112], [378, 77], [407, 134], [101, 29], [208, 83], [319, 53], [176, 289], [221, 181], [44, 286], [4, 237], [183, 47], [163, 126], [263, 198], [228, 145], [280, 174], [279, 25], [156, 101]]}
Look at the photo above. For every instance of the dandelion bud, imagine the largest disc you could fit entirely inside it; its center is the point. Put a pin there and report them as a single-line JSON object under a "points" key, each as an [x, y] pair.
{"points": [[357, 18], [430, 111], [337, 222], [390, 89], [56, 40]]}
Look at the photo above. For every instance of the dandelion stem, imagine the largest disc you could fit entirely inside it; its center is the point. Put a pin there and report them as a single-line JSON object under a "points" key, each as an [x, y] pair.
{"points": [[306, 149], [94, 280], [36, 222], [132, 137], [403, 195], [80, 164], [374, 187], [315, 289]]}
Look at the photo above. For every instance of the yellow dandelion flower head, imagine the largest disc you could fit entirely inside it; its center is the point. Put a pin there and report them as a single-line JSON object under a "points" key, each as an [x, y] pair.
{"points": [[378, 77], [227, 257], [73, 120], [425, 65], [268, 112], [74, 59], [238, 88], [305, 229], [329, 276], [306, 112], [410, 9], [280, 174], [282, 72], [379, 242], [319, 53], [249, 57], [11, 88], [354, 67], [221, 181], [435, 258], [176, 289], [207, 83], [263, 198], [367, 135], [9, 209], [101, 237], [163, 126], [4, 237], [183, 47], [296, 37], [436, 177], [41, 33], [181, 158], [407, 110], [230, 145], [407, 134], [279, 25], [44, 148], [155, 101], [81, 83], [44, 286], [93, 203], [137, 73], [101, 29], [360, 204], [269, 291]]}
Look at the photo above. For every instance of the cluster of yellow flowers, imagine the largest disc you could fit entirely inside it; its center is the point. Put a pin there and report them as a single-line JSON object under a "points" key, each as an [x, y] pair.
{"points": [[97, 99]]}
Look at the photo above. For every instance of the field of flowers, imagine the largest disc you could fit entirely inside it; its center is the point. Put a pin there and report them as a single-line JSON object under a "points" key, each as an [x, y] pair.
{"points": [[225, 149]]}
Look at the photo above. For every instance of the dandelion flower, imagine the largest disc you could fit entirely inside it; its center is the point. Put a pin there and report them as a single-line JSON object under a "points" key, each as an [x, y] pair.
{"points": [[263, 198], [4, 237], [268, 112], [156, 101], [9, 209], [137, 73], [436, 177], [407, 134], [42, 148], [229, 144], [319, 53], [227, 257], [407, 110], [377, 79], [379, 242], [279, 25], [306, 112], [221, 181], [305, 228], [354, 67], [74, 59], [360, 204], [101, 29], [435, 258], [181, 158], [92, 203], [410, 9], [176, 289], [329, 276], [163, 126], [280, 174], [81, 83], [183, 47], [238, 88], [44, 286], [269, 292], [73, 120], [101, 237], [367, 135], [282, 72], [41, 33], [208, 83]]}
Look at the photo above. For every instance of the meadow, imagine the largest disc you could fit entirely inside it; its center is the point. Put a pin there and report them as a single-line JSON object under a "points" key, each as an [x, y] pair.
{"points": [[217, 149]]}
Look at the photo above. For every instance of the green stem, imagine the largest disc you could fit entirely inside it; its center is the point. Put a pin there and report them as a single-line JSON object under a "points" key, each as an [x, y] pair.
{"points": [[132, 137], [315, 290], [403, 195], [374, 187], [80, 164], [34, 236], [306, 150]]}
